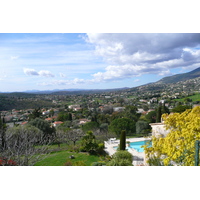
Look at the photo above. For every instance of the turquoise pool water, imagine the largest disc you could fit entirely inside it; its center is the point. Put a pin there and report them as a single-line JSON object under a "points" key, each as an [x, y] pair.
{"points": [[136, 146]]}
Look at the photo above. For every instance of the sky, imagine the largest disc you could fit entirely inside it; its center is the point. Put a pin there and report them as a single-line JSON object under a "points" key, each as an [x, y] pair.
{"points": [[33, 61]]}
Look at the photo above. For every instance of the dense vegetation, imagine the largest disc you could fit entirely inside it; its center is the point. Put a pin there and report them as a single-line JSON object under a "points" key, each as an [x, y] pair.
{"points": [[178, 147]]}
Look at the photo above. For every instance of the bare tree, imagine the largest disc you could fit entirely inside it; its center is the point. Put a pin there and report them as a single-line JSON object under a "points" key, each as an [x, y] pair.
{"points": [[61, 136], [75, 135], [24, 145]]}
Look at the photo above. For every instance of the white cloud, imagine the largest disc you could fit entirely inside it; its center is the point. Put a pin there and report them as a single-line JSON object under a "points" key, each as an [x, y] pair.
{"points": [[33, 72], [130, 55], [45, 73], [30, 72]]}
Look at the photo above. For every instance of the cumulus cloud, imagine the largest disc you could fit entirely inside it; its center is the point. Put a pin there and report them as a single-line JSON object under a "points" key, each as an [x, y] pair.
{"points": [[30, 72], [130, 55], [33, 72], [45, 73]]}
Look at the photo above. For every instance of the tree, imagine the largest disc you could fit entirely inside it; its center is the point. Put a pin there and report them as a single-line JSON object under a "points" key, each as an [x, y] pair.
{"points": [[64, 116], [61, 136], [158, 114], [90, 126], [74, 135], [118, 125], [179, 144], [121, 158], [21, 144], [161, 110], [131, 113], [180, 108], [35, 114], [151, 117], [3, 128], [44, 126], [90, 144], [51, 113], [123, 140], [142, 127]]}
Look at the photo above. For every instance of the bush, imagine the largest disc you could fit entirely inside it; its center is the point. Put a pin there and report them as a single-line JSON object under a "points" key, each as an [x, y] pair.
{"points": [[6, 162], [100, 163], [121, 158], [73, 148], [68, 163], [79, 163]]}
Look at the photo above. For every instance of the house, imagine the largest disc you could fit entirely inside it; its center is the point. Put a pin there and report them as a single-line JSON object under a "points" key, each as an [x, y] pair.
{"points": [[49, 119], [75, 107], [140, 110], [45, 112], [23, 123], [83, 121], [57, 123], [158, 129], [118, 109]]}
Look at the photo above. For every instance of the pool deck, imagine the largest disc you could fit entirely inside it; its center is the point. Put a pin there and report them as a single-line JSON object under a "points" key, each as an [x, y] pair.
{"points": [[138, 157]]}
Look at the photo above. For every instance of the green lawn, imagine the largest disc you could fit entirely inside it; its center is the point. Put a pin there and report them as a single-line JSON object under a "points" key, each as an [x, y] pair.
{"points": [[195, 97], [60, 158]]}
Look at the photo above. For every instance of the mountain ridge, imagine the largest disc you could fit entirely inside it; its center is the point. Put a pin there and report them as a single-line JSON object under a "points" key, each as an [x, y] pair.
{"points": [[180, 77]]}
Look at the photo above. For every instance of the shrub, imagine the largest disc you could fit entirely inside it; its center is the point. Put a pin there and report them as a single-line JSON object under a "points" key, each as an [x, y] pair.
{"points": [[68, 163], [6, 162], [100, 163], [121, 158], [79, 163]]}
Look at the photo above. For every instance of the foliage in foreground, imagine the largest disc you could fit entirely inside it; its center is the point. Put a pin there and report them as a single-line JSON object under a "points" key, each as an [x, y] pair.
{"points": [[121, 158], [179, 145]]}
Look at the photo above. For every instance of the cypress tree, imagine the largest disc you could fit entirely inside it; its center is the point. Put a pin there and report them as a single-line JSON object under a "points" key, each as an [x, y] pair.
{"points": [[158, 114], [123, 140], [2, 133]]}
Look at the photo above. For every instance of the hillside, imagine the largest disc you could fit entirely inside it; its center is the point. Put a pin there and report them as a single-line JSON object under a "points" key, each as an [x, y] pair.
{"points": [[181, 77]]}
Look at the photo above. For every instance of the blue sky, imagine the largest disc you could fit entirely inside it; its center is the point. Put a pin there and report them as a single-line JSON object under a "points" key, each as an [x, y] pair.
{"points": [[32, 61]]}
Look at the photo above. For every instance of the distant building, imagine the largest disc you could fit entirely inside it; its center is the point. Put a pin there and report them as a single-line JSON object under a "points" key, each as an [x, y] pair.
{"points": [[118, 109], [57, 123], [23, 123], [83, 121]]}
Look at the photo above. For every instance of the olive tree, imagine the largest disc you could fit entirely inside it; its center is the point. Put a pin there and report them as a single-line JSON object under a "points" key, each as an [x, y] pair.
{"points": [[24, 145]]}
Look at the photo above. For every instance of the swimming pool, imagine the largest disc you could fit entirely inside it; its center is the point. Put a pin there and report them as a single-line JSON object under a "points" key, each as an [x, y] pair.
{"points": [[136, 146]]}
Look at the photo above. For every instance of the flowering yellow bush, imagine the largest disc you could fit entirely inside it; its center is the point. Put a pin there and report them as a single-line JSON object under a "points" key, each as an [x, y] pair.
{"points": [[179, 144]]}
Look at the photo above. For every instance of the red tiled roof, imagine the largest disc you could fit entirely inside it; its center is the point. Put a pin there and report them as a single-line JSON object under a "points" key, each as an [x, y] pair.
{"points": [[24, 123], [58, 122]]}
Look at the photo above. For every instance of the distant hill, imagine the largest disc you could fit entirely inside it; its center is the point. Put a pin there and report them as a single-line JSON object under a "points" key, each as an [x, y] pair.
{"points": [[181, 77], [61, 91], [85, 91]]}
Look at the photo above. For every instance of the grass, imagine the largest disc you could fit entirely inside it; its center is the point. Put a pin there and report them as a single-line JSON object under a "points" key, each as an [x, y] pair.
{"points": [[60, 158], [195, 97]]}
